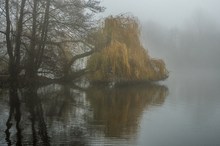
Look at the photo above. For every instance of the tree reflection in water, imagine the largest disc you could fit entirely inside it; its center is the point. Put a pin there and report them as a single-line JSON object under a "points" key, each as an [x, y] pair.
{"points": [[34, 106], [66, 111], [120, 109], [14, 103], [64, 115]]}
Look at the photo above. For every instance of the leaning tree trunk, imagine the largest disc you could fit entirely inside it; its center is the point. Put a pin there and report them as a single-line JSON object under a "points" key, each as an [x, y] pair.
{"points": [[68, 74]]}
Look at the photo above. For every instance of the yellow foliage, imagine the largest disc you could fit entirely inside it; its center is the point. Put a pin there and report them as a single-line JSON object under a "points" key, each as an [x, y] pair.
{"points": [[122, 57], [116, 107]]}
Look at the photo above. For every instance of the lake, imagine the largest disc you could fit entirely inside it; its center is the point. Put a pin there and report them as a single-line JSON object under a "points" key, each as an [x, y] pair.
{"points": [[182, 111]]}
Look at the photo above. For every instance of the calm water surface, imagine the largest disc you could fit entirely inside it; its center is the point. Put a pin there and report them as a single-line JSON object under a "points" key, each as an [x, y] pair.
{"points": [[185, 112]]}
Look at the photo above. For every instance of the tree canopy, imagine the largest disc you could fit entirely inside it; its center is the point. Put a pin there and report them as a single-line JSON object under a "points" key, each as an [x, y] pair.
{"points": [[45, 37], [122, 56]]}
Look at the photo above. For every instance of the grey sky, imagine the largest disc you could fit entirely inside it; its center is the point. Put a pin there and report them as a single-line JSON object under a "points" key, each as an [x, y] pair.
{"points": [[166, 12]]}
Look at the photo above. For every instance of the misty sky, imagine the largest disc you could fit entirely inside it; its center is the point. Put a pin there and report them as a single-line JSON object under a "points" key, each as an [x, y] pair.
{"points": [[166, 12]]}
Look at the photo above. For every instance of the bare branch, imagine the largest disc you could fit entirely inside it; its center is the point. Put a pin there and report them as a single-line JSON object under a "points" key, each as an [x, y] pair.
{"points": [[80, 56], [3, 32]]}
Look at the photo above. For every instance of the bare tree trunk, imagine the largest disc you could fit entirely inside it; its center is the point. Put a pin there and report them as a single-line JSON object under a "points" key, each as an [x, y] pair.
{"points": [[8, 41], [14, 52], [43, 35], [18, 38], [37, 51], [31, 54]]}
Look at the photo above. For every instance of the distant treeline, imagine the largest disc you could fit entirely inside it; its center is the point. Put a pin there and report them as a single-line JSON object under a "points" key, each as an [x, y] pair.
{"points": [[193, 45]]}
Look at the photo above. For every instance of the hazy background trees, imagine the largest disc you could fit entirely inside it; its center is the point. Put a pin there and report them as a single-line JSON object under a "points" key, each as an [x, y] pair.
{"points": [[194, 46]]}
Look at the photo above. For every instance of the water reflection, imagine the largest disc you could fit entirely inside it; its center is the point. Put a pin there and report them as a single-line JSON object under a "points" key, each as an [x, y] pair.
{"points": [[38, 125], [120, 109], [33, 113], [14, 104], [65, 111], [58, 101], [64, 115]]}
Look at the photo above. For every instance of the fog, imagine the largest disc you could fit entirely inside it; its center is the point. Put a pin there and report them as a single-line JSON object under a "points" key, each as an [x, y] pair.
{"points": [[166, 12], [185, 33]]}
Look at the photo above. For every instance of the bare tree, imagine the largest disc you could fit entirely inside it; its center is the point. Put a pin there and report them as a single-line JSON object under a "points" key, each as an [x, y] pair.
{"points": [[39, 34], [13, 39]]}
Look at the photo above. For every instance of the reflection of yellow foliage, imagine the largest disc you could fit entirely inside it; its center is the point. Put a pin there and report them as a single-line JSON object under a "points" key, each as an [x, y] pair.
{"points": [[123, 58], [119, 109]]}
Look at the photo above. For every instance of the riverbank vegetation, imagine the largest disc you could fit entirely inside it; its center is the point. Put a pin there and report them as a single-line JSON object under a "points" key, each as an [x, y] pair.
{"points": [[49, 40]]}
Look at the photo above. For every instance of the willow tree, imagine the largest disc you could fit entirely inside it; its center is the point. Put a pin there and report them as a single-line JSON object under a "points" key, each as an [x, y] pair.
{"points": [[122, 56]]}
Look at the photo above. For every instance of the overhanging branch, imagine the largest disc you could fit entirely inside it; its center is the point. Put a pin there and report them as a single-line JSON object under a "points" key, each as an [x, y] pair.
{"points": [[80, 56], [3, 32]]}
